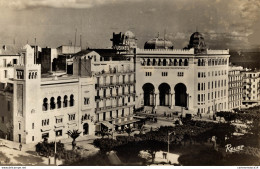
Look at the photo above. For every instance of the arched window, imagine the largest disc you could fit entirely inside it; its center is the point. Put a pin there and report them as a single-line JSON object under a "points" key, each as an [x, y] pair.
{"points": [[164, 62], [180, 62], [202, 62], [59, 102], [65, 101], [216, 61], [71, 100], [213, 62], [35, 75], [198, 86], [209, 62], [52, 104], [148, 62], [159, 62], [199, 64], [30, 75], [45, 104], [154, 62], [175, 62], [186, 62]]}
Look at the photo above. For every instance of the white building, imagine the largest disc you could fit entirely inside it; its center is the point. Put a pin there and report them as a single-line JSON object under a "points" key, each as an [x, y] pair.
{"points": [[251, 91], [195, 78], [235, 87]]}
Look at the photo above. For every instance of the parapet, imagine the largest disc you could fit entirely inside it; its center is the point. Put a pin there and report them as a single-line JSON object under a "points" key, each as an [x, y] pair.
{"points": [[165, 51], [218, 52]]}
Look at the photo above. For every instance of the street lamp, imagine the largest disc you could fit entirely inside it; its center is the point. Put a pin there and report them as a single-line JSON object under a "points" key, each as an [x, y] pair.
{"points": [[169, 144], [55, 147]]}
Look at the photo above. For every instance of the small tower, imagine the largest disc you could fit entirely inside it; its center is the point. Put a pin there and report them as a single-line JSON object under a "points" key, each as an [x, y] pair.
{"points": [[27, 77]]}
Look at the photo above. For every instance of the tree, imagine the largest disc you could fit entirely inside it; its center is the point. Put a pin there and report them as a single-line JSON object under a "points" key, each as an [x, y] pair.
{"points": [[74, 135]]}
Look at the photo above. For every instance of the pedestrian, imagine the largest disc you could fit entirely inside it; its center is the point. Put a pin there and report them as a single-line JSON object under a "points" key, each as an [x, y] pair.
{"points": [[20, 146]]}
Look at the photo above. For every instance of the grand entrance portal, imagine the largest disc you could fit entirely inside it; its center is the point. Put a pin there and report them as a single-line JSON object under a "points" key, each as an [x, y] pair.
{"points": [[164, 90], [148, 89], [180, 95]]}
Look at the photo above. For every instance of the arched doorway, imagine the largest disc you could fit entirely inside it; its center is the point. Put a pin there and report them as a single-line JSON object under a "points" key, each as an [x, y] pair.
{"points": [[148, 89], [180, 95], [85, 128], [164, 90]]}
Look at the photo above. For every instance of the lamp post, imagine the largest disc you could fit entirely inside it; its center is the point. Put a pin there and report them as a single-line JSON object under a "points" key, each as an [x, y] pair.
{"points": [[55, 148], [169, 144]]}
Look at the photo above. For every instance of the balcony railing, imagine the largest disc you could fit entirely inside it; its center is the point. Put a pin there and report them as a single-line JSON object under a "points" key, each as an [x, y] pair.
{"points": [[113, 107]]}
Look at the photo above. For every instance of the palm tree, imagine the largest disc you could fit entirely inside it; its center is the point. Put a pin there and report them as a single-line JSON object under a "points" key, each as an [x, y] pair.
{"points": [[74, 134]]}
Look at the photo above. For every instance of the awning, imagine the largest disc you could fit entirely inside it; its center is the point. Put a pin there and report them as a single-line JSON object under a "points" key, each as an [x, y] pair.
{"points": [[139, 117], [126, 122], [109, 125]]}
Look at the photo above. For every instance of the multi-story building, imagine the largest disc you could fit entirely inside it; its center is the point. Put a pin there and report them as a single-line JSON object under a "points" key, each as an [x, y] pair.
{"points": [[107, 85], [114, 86], [9, 56], [251, 90], [37, 106], [195, 78], [235, 87]]}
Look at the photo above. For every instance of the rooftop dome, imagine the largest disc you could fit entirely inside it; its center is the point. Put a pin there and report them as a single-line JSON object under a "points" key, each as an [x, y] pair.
{"points": [[197, 42], [130, 34], [158, 43]]}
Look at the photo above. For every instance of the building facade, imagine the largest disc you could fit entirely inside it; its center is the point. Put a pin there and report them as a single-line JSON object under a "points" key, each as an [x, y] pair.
{"points": [[235, 87], [251, 90], [108, 85], [192, 78]]}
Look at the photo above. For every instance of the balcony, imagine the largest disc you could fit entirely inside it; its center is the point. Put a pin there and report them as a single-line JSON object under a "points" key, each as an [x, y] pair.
{"points": [[112, 72], [113, 107]]}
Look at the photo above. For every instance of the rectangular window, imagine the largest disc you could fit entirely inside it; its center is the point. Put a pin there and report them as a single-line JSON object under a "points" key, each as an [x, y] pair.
{"points": [[59, 133], [45, 135], [86, 101], [164, 73], [14, 61], [111, 80], [123, 79], [32, 138], [148, 73], [45, 122], [32, 125], [4, 62], [5, 72], [71, 117], [104, 93], [180, 74], [58, 120]]}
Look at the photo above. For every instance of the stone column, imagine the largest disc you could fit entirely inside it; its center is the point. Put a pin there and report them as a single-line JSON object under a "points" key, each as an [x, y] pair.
{"points": [[172, 100], [157, 101]]}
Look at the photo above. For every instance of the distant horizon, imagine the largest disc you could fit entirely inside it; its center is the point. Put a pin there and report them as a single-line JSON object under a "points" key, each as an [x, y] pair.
{"points": [[225, 25]]}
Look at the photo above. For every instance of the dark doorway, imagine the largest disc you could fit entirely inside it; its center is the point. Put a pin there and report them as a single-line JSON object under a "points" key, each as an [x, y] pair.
{"points": [[164, 90], [148, 89], [19, 138], [180, 95], [85, 129]]}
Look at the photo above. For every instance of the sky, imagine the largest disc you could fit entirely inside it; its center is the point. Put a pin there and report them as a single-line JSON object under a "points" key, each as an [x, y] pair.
{"points": [[224, 23]]}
